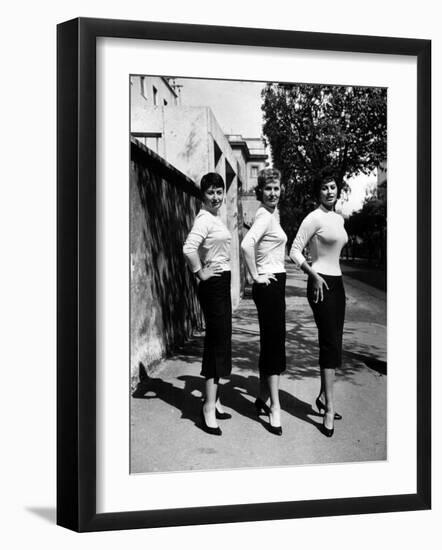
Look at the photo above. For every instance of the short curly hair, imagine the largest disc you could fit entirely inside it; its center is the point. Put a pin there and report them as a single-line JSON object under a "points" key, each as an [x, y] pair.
{"points": [[265, 176]]}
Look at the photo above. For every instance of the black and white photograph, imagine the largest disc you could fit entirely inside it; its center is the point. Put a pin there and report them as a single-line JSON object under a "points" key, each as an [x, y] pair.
{"points": [[219, 328], [258, 261]]}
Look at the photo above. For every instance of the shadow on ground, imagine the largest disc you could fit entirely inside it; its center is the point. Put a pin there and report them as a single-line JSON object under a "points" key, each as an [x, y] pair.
{"points": [[238, 394], [48, 514], [301, 346]]}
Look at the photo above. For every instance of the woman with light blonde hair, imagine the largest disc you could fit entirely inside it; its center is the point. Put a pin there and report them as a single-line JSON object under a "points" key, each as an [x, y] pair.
{"points": [[264, 253]]}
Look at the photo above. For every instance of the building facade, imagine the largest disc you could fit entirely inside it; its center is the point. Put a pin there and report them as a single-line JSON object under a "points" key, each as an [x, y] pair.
{"points": [[251, 153], [149, 92], [191, 141]]}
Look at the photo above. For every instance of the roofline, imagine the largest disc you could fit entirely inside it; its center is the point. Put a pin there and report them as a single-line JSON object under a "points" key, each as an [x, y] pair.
{"points": [[242, 144], [256, 156], [164, 78]]}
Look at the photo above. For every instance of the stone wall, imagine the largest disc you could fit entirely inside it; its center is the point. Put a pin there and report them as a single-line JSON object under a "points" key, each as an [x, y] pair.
{"points": [[164, 304]]}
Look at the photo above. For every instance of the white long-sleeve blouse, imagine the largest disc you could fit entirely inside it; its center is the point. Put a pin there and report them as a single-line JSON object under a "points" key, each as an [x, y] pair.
{"points": [[323, 230], [268, 239], [210, 238]]}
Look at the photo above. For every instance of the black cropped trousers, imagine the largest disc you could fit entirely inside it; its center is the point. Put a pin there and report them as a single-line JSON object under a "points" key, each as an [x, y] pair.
{"points": [[270, 303], [214, 296], [329, 317]]}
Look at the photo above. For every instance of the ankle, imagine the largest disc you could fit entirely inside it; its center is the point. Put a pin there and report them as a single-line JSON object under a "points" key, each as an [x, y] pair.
{"points": [[275, 417], [208, 407], [328, 403]]}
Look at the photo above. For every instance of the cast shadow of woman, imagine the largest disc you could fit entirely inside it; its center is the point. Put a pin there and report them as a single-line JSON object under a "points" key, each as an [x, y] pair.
{"points": [[186, 402], [239, 395]]}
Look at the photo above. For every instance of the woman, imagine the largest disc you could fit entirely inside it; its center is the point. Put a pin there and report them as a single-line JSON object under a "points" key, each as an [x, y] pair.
{"points": [[264, 253], [323, 230], [207, 250]]}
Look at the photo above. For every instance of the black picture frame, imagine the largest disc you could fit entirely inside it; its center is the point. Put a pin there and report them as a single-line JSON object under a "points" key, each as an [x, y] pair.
{"points": [[77, 287]]}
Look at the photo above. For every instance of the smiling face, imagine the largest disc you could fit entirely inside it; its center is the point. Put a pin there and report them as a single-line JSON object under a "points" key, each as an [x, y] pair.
{"points": [[328, 194], [270, 194], [213, 198]]}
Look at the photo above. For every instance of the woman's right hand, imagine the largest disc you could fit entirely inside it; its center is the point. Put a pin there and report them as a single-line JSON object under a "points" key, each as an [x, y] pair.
{"points": [[209, 271], [264, 279], [318, 288]]}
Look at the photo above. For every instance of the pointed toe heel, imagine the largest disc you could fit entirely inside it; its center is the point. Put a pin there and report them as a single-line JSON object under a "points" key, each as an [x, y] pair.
{"points": [[208, 429], [275, 430], [328, 432]]}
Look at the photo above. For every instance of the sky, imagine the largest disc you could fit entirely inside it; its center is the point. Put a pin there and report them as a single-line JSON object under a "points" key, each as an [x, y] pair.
{"points": [[235, 104], [237, 108], [358, 187]]}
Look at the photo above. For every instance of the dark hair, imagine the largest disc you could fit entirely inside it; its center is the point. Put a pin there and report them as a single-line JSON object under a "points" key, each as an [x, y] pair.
{"points": [[211, 179], [265, 176], [325, 176]]}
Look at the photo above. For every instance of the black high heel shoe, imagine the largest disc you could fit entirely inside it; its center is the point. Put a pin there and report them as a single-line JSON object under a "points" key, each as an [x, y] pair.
{"points": [[261, 407], [208, 429], [222, 416], [327, 431], [321, 409], [276, 430], [219, 415]]}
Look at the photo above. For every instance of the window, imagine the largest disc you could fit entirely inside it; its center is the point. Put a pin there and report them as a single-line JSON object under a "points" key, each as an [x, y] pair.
{"points": [[149, 139], [155, 95], [230, 175], [254, 171], [216, 152], [164, 102], [143, 86]]}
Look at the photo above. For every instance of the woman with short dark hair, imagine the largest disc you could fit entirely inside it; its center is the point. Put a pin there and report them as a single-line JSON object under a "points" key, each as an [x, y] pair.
{"points": [[323, 230], [264, 254], [207, 251]]}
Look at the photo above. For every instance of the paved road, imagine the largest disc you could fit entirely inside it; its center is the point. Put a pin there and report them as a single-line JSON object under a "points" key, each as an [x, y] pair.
{"points": [[165, 431]]}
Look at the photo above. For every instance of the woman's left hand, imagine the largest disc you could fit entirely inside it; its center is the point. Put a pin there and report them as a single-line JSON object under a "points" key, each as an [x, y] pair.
{"points": [[265, 279], [209, 271], [318, 288]]}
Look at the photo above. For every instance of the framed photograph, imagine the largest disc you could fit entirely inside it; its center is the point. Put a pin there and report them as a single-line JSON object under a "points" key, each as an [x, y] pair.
{"points": [[167, 132]]}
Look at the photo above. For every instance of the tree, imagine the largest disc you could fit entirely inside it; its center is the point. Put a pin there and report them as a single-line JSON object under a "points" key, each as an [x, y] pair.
{"points": [[370, 225], [314, 127]]}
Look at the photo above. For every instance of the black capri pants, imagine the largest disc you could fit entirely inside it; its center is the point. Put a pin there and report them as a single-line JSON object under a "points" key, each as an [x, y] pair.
{"points": [[329, 317], [270, 303], [214, 296]]}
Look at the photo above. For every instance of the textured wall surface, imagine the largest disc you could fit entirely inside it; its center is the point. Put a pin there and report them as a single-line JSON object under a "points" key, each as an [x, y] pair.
{"points": [[164, 304]]}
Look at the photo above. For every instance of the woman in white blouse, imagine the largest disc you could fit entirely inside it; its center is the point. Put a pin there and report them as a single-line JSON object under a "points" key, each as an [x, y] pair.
{"points": [[207, 251], [264, 253], [323, 231]]}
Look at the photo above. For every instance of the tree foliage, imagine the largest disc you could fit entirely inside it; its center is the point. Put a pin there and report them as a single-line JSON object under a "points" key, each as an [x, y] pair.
{"points": [[368, 227], [369, 219], [314, 127]]}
